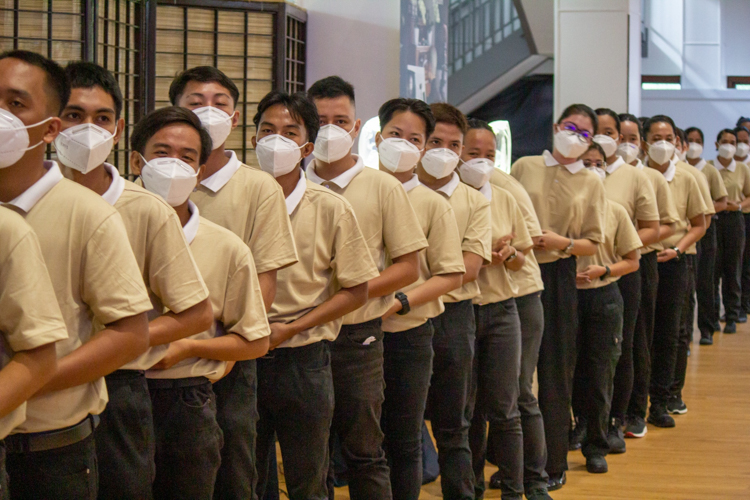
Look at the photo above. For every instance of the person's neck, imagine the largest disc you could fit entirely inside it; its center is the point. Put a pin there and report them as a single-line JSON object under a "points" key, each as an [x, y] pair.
{"points": [[612, 159], [736, 158], [694, 161], [216, 161], [655, 166], [562, 160], [289, 181], [98, 180], [17, 178], [183, 212], [401, 176], [328, 171], [430, 181], [724, 161]]}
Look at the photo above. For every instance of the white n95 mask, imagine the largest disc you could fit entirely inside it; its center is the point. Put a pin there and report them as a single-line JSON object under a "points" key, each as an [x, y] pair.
{"points": [[440, 162], [608, 144], [398, 155], [170, 178], [84, 147], [217, 123], [332, 143], [727, 151], [628, 151], [661, 152], [742, 149], [476, 172], [570, 144], [695, 150], [277, 155], [598, 171], [14, 138]]}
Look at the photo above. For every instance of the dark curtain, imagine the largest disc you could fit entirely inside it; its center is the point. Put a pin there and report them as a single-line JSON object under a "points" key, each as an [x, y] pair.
{"points": [[527, 105]]}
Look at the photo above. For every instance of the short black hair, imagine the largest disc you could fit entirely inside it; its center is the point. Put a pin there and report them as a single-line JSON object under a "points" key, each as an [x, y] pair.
{"points": [[657, 119], [580, 109], [690, 130], [477, 124], [150, 124], [596, 146], [300, 107], [610, 113], [681, 134], [330, 88], [741, 120], [416, 106], [56, 82], [741, 129], [627, 117], [203, 74], [85, 75], [725, 131], [447, 113]]}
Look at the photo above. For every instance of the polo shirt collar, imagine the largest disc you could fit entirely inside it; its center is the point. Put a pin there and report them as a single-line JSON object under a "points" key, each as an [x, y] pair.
{"points": [[619, 162], [342, 180], [449, 188], [639, 165], [700, 164], [486, 190], [191, 228], [116, 187], [220, 178], [411, 183], [26, 200], [573, 168], [296, 196], [671, 170], [731, 167]]}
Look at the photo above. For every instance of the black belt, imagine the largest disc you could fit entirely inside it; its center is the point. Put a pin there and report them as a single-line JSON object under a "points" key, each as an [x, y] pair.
{"points": [[174, 383], [126, 375], [51, 440]]}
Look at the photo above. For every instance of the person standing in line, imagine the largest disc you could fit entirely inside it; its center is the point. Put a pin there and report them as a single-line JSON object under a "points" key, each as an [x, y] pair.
{"points": [[408, 323], [390, 227], [708, 314], [570, 202], [743, 156], [95, 277]]}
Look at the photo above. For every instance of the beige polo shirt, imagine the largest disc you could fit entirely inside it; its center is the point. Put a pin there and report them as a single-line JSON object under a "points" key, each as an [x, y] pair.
{"points": [[472, 211], [568, 199], [528, 279], [166, 263], [30, 316], [621, 238], [715, 182], [702, 181], [688, 201], [664, 201], [94, 274], [495, 283], [736, 179], [630, 187], [333, 254], [249, 203], [234, 290], [386, 218], [442, 256]]}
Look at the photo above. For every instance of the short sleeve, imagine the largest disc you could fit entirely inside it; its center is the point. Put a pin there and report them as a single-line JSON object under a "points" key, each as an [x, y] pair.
{"points": [[271, 241], [718, 189], [174, 275], [645, 202], [705, 192], [695, 200], [746, 178], [244, 312], [444, 255], [352, 263], [665, 200], [478, 235], [626, 237], [522, 240], [402, 233], [112, 285], [594, 218]]}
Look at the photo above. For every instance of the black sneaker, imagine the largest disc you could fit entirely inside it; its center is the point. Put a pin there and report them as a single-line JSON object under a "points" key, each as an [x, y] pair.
{"points": [[557, 481], [615, 437], [717, 327], [706, 341], [659, 417], [676, 406], [743, 317], [636, 427], [577, 434], [730, 327], [538, 494], [596, 464], [496, 481]]}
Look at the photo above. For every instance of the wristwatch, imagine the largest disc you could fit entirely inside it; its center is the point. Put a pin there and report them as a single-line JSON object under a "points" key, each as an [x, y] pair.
{"points": [[679, 254], [569, 248], [607, 272], [405, 307], [513, 256]]}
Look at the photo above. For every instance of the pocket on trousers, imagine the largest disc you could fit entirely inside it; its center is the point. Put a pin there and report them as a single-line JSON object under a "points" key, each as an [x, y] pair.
{"points": [[319, 363], [196, 398], [365, 337]]}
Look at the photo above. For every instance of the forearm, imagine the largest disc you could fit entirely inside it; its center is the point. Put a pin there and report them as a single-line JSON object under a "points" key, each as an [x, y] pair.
{"points": [[24, 375], [745, 203], [403, 272], [648, 232], [473, 264], [433, 288], [693, 235], [625, 266], [517, 263], [106, 352], [583, 247], [665, 231], [230, 347], [267, 282], [720, 205], [170, 326]]}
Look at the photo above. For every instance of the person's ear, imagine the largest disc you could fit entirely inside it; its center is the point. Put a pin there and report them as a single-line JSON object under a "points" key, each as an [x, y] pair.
{"points": [[52, 130], [357, 128], [555, 128], [255, 143], [620, 138], [120, 130], [378, 138], [135, 163], [201, 173], [307, 149], [235, 119]]}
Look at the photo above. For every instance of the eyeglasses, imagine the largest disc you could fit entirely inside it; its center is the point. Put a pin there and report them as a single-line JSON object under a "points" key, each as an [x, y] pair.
{"points": [[593, 163], [570, 127]]}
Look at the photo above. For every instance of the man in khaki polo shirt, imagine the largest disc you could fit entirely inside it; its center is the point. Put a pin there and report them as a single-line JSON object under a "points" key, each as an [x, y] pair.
{"points": [[30, 325], [408, 323], [247, 202], [480, 144], [455, 329], [95, 277], [390, 227], [295, 383], [125, 445]]}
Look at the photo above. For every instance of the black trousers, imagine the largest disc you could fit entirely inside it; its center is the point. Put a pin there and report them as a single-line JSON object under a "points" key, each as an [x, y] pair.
{"points": [[4, 491], [237, 415], [643, 336], [746, 266], [686, 330], [708, 315], [125, 438], [67, 473], [599, 345], [670, 302], [630, 290], [557, 358], [730, 237]]}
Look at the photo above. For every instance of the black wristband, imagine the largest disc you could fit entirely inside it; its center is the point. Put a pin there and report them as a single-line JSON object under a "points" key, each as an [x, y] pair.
{"points": [[679, 254], [405, 308], [607, 272]]}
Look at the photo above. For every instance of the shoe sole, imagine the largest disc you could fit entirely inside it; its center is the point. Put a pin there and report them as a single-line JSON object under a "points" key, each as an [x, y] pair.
{"points": [[681, 411], [617, 451], [668, 426], [630, 434]]}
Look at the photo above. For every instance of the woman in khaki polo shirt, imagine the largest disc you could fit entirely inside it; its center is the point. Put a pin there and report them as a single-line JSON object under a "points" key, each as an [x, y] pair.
{"points": [[571, 205], [743, 156]]}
